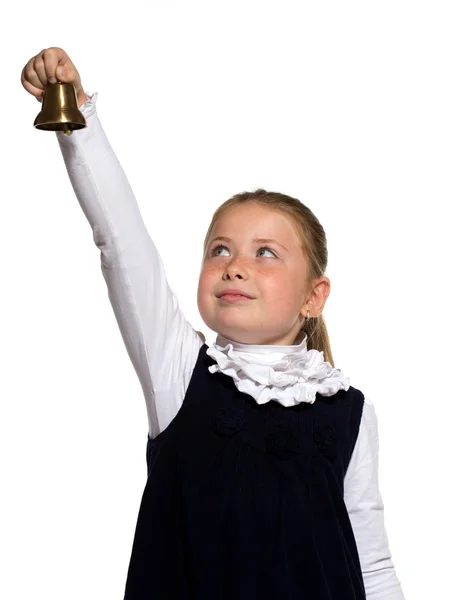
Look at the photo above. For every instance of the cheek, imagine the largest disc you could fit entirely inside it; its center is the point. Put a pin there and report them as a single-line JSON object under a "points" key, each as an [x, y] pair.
{"points": [[280, 287], [208, 277], [274, 279], [208, 269]]}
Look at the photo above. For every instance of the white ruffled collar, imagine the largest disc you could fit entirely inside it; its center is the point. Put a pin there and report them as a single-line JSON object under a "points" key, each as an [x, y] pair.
{"points": [[286, 374]]}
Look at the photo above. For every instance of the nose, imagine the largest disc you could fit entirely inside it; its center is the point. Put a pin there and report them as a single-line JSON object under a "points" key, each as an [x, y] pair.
{"points": [[235, 267], [234, 270]]}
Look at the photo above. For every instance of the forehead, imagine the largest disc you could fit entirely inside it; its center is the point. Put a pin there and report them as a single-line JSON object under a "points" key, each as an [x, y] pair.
{"points": [[252, 220]]}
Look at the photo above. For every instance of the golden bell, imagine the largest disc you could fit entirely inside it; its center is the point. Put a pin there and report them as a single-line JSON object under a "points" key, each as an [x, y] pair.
{"points": [[60, 111]]}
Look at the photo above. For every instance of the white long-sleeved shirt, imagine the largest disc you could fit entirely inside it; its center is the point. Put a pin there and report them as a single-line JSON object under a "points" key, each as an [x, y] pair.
{"points": [[163, 346]]}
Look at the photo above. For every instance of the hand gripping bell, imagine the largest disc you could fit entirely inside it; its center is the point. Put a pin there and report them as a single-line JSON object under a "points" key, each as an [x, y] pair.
{"points": [[60, 111]]}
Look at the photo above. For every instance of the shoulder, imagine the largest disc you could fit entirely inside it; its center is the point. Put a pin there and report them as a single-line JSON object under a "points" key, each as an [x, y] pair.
{"points": [[367, 412], [355, 393], [360, 408]]}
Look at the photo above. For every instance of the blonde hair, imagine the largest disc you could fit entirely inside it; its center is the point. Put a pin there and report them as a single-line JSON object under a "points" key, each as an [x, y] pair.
{"points": [[313, 242]]}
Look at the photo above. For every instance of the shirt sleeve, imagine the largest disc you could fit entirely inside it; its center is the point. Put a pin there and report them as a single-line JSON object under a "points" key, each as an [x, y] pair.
{"points": [[161, 343], [365, 506]]}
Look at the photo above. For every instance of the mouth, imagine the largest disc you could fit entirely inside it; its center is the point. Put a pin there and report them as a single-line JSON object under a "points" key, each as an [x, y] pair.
{"points": [[234, 292], [234, 298]]}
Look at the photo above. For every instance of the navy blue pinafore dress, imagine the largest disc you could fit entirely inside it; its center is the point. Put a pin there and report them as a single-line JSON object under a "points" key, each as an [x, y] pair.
{"points": [[245, 501]]}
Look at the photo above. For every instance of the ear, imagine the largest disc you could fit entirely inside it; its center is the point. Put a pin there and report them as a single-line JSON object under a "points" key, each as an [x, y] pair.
{"points": [[319, 295]]}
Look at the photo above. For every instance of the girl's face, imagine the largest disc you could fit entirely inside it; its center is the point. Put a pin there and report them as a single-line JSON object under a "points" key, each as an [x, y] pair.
{"points": [[275, 276]]}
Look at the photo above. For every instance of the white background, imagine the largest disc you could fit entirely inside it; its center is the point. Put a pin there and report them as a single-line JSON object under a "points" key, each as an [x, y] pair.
{"points": [[357, 109]]}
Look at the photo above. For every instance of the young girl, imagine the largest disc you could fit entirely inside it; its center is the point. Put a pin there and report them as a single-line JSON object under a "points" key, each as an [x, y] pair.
{"points": [[262, 459]]}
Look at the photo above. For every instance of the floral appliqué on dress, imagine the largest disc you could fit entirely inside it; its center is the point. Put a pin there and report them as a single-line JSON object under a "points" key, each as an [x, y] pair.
{"points": [[282, 442], [325, 438], [228, 421]]}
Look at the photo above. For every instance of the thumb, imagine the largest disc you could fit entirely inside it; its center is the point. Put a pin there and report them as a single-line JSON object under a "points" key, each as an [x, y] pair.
{"points": [[61, 72]]}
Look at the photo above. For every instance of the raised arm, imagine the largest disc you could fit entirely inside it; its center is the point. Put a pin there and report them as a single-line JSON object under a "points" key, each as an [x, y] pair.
{"points": [[161, 343]]}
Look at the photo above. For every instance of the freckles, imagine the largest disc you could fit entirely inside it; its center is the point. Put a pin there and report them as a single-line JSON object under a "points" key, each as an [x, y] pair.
{"points": [[208, 269], [266, 272], [270, 277]]}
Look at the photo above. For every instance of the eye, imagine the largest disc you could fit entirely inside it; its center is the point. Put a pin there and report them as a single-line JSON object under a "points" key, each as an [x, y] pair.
{"points": [[212, 252]]}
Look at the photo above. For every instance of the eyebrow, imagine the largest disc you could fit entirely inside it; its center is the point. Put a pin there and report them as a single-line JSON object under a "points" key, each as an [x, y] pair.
{"points": [[257, 240]]}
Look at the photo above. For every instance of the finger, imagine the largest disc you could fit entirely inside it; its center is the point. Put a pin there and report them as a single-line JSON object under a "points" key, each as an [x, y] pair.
{"points": [[37, 92], [54, 57], [50, 64], [39, 68], [30, 75]]}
